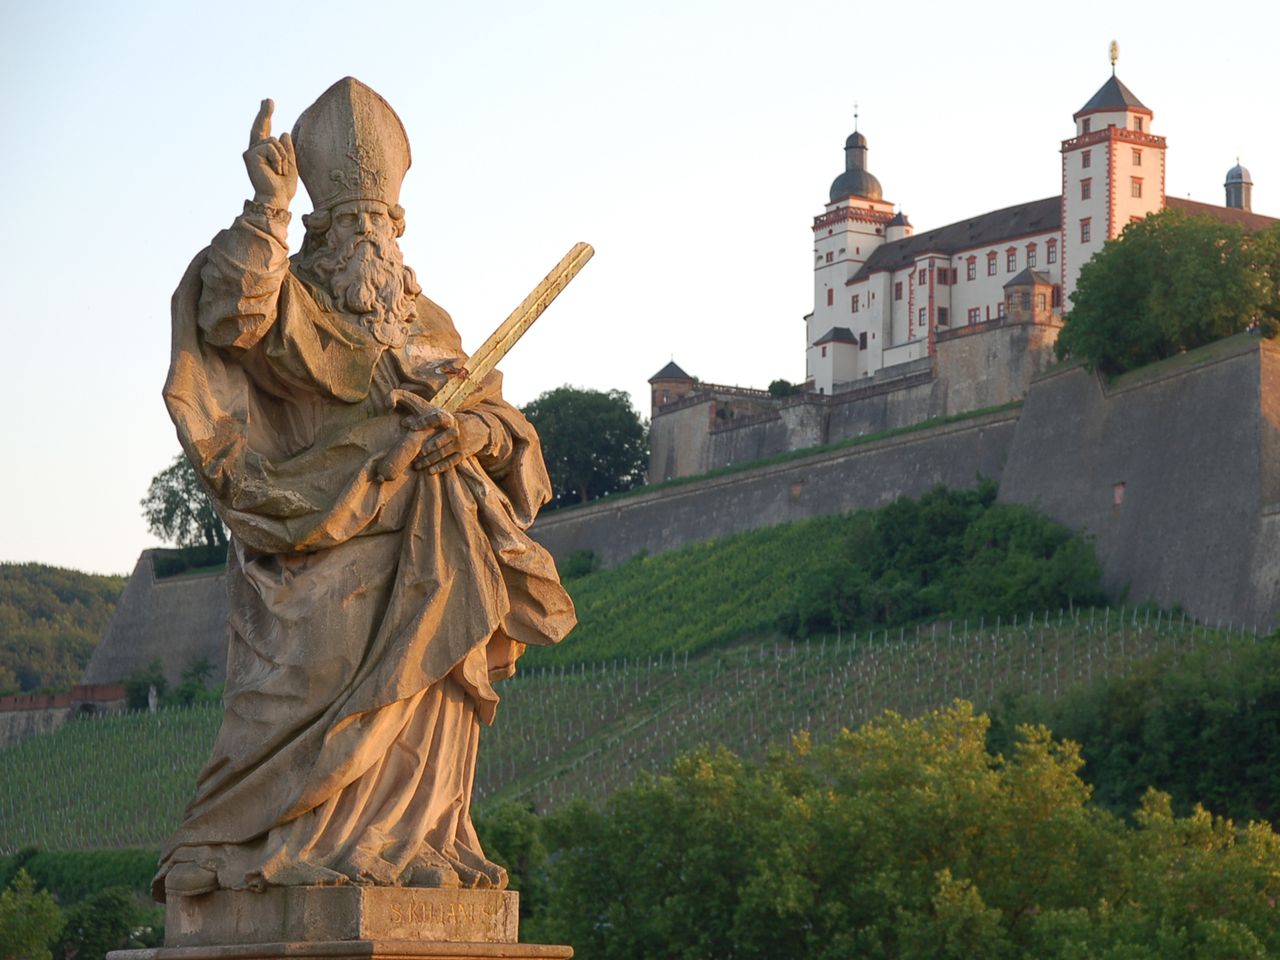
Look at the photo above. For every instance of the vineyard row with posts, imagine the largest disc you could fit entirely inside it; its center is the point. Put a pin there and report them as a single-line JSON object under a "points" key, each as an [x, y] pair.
{"points": [[583, 731]]}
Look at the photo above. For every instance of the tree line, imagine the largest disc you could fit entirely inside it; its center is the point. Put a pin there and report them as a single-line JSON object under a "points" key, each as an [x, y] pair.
{"points": [[904, 839], [50, 621]]}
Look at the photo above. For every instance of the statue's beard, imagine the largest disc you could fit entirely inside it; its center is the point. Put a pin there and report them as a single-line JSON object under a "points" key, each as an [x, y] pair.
{"points": [[366, 276]]}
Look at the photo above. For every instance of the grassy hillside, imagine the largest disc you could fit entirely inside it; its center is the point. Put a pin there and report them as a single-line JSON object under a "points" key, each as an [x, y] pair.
{"points": [[584, 731], [50, 621], [949, 554]]}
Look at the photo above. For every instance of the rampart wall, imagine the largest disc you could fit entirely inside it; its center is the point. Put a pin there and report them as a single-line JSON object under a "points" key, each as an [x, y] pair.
{"points": [[972, 368], [834, 481], [1174, 471], [176, 620], [30, 714]]}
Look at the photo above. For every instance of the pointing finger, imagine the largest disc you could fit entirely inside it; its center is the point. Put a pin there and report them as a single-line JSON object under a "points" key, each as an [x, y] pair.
{"points": [[262, 123]]}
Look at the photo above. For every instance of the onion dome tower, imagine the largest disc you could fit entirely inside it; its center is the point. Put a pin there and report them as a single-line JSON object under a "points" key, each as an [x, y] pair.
{"points": [[852, 227], [856, 181], [1239, 187]]}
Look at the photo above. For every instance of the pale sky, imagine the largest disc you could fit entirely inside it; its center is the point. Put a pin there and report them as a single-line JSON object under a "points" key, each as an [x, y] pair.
{"points": [[690, 142]]}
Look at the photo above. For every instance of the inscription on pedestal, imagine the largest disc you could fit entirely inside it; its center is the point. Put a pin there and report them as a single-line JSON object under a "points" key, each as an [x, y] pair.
{"points": [[482, 915], [315, 914]]}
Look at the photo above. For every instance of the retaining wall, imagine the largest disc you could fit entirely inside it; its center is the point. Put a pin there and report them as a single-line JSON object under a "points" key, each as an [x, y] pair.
{"points": [[176, 620], [1174, 470], [851, 478]]}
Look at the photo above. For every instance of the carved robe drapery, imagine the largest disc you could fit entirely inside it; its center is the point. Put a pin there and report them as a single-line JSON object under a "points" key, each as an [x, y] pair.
{"points": [[368, 619]]}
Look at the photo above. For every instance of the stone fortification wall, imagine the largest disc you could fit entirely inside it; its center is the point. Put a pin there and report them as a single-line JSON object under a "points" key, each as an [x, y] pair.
{"points": [[28, 715], [752, 439], [973, 368], [866, 475], [21, 725], [677, 439], [886, 407], [1174, 470], [989, 365], [176, 620]]}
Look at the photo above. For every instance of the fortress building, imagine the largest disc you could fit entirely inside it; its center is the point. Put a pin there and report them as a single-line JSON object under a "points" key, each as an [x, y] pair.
{"points": [[910, 325]]}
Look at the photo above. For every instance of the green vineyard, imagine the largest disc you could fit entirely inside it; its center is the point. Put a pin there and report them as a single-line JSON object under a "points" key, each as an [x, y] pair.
{"points": [[583, 731]]}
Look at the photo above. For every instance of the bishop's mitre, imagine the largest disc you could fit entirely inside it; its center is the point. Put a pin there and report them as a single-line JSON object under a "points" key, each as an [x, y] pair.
{"points": [[351, 146]]}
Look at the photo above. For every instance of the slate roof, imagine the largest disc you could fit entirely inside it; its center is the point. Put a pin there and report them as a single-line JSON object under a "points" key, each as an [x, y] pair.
{"points": [[988, 229], [837, 335], [670, 372], [1030, 277], [1241, 218], [1112, 95]]}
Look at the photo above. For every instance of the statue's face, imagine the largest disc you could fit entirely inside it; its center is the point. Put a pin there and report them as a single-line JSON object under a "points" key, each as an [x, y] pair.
{"points": [[360, 218]]}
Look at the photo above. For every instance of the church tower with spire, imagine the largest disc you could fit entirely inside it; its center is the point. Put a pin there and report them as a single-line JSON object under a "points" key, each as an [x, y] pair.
{"points": [[1112, 174], [844, 236]]}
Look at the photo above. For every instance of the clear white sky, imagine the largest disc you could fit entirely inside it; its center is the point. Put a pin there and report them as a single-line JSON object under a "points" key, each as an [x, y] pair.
{"points": [[690, 142]]}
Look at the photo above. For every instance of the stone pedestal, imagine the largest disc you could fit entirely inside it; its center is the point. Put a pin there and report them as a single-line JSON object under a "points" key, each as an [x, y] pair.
{"points": [[345, 923], [353, 950]]}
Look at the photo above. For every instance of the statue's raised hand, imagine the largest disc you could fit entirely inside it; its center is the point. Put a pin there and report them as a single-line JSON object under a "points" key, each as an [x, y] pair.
{"points": [[272, 166]]}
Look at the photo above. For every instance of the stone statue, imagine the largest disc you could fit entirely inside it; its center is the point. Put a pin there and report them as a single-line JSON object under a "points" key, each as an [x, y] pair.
{"points": [[371, 610]]}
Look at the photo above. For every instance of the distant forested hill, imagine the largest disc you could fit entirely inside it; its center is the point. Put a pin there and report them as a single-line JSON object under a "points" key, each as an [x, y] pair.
{"points": [[50, 621]]}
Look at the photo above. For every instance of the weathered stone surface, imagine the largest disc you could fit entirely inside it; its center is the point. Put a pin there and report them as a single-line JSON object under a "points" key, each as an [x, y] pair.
{"points": [[377, 489], [177, 621], [285, 914], [834, 481], [1174, 470], [354, 950]]}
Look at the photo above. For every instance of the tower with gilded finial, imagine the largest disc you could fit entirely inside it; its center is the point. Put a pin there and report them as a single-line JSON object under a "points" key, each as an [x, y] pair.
{"points": [[1112, 173], [845, 234]]}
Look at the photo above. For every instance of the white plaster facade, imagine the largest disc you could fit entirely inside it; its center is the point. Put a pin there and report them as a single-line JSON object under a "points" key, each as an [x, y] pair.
{"points": [[882, 292]]}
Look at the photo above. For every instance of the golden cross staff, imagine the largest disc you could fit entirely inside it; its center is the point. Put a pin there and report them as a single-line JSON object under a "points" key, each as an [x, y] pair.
{"points": [[476, 367]]}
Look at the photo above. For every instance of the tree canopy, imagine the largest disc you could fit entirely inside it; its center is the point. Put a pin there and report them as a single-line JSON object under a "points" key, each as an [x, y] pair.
{"points": [[593, 441], [178, 510], [951, 553], [50, 621], [905, 839], [1170, 283]]}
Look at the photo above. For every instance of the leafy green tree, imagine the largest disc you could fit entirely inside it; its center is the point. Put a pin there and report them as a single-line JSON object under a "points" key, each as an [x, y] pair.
{"points": [[194, 686], [178, 510], [50, 621], [30, 920], [784, 388], [1203, 726], [904, 839], [1171, 283], [137, 686], [950, 553], [594, 442], [111, 919]]}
